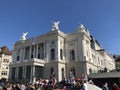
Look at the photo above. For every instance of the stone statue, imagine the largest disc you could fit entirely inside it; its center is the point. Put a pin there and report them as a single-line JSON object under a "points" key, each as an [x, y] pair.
{"points": [[55, 26], [23, 37], [82, 27]]}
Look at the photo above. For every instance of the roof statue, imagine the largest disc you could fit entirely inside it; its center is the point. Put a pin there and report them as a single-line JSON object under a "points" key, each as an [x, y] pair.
{"points": [[23, 37], [55, 25], [82, 27]]}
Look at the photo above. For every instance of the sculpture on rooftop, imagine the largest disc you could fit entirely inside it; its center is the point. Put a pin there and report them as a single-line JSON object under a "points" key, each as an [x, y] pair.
{"points": [[55, 25], [23, 37], [82, 27]]}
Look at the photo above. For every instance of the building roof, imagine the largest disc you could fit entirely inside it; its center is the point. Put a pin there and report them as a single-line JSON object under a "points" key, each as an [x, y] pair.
{"points": [[5, 50]]}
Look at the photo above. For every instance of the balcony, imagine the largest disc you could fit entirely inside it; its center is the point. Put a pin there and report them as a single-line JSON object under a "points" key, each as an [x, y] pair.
{"points": [[34, 61]]}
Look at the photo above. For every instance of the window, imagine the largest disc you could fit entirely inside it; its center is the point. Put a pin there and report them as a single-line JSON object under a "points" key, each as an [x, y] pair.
{"points": [[41, 51], [62, 73], [72, 55], [18, 55], [52, 73], [13, 73], [27, 51], [6, 60], [73, 71], [6, 67], [53, 54], [52, 43], [4, 73], [38, 55], [90, 71], [18, 58], [20, 72], [61, 54], [32, 51], [28, 72]]}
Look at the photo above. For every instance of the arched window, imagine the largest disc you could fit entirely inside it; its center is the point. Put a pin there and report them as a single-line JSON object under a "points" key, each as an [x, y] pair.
{"points": [[90, 71], [62, 73], [53, 54], [18, 55], [61, 54], [52, 73], [72, 55], [73, 71]]}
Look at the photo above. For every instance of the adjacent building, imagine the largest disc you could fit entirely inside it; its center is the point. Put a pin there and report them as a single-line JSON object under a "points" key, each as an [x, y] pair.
{"points": [[58, 54], [5, 59]]}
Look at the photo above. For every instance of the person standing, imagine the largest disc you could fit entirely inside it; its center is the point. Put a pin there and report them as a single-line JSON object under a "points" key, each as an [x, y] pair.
{"points": [[84, 87], [105, 86], [115, 86]]}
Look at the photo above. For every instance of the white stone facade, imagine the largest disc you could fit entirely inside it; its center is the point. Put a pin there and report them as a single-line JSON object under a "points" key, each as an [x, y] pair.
{"points": [[56, 54]]}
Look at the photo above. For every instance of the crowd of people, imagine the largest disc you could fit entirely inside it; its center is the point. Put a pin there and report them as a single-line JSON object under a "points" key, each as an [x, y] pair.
{"points": [[106, 87], [48, 84], [41, 84], [51, 84]]}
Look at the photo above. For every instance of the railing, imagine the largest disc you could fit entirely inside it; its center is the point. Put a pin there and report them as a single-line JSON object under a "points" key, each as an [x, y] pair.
{"points": [[31, 60]]}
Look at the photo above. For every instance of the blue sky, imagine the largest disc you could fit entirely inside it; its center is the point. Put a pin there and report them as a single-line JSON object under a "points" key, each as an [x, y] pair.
{"points": [[100, 17]]}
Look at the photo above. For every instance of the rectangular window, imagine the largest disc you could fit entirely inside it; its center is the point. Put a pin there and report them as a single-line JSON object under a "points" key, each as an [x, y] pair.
{"points": [[6, 61], [18, 58]]}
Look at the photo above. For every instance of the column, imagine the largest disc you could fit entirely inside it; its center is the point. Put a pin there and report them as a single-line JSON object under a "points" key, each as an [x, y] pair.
{"points": [[56, 50], [37, 51], [76, 51], [83, 49], [32, 75], [44, 49], [66, 53], [47, 50], [24, 72], [30, 52], [16, 72], [23, 53], [10, 73], [33, 51]]}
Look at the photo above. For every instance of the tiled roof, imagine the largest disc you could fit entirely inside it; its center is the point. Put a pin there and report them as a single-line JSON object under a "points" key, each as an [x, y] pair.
{"points": [[5, 50]]}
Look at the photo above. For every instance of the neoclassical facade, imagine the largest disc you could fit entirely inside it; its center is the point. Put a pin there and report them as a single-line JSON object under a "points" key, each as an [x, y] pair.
{"points": [[57, 54]]}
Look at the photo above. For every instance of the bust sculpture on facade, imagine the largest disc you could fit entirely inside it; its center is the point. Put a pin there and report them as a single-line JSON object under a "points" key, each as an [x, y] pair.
{"points": [[55, 25], [23, 37]]}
